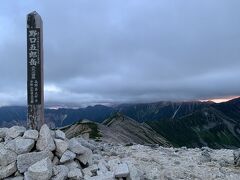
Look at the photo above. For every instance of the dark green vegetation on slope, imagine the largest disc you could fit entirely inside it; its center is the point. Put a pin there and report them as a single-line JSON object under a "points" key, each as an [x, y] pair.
{"points": [[82, 127], [161, 110], [206, 127]]}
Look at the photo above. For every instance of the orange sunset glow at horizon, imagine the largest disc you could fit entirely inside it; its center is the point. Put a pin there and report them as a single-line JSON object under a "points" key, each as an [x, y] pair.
{"points": [[220, 100]]}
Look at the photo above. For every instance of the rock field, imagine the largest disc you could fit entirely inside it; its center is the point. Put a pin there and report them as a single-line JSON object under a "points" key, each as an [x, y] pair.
{"points": [[47, 154]]}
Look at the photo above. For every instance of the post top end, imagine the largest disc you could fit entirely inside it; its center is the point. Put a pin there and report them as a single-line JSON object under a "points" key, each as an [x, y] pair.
{"points": [[34, 20]]}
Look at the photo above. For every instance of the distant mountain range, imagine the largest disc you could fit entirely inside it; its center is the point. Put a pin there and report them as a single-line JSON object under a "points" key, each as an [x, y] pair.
{"points": [[13, 115], [191, 124], [140, 112]]}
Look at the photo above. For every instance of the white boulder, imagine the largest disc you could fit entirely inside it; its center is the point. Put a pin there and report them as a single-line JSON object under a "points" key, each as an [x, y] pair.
{"points": [[113, 163], [55, 160], [102, 167], [205, 156], [31, 134], [3, 132], [45, 140], [76, 147], [20, 145], [41, 170], [53, 134], [85, 143], [107, 176], [6, 171], [6, 156], [75, 174], [60, 135], [24, 161], [67, 156], [61, 146], [91, 170], [236, 155], [72, 164], [15, 131], [86, 158], [134, 172], [121, 171], [60, 172], [15, 178]]}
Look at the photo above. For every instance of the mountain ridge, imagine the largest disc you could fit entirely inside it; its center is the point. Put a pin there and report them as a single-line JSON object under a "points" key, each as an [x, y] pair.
{"points": [[116, 129]]}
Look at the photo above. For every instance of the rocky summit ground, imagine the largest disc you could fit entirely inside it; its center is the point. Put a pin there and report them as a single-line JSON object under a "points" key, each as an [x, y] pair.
{"points": [[32, 155]]}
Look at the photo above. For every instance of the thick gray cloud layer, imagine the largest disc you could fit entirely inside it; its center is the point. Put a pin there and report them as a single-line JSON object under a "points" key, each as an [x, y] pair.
{"points": [[124, 51]]}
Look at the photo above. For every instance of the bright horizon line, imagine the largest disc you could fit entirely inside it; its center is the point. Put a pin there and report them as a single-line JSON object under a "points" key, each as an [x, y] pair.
{"points": [[62, 105], [220, 100]]}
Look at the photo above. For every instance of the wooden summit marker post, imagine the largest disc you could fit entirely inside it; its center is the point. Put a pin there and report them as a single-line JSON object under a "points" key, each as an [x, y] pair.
{"points": [[35, 85]]}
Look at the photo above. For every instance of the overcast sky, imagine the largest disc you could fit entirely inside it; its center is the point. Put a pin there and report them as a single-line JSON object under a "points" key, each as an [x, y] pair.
{"points": [[114, 51]]}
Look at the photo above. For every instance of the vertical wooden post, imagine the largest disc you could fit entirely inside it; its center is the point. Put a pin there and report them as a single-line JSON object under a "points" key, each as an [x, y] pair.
{"points": [[35, 81]]}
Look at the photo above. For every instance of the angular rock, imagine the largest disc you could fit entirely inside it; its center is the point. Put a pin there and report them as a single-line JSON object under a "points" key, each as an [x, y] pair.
{"points": [[107, 176], [113, 163], [91, 170], [60, 135], [86, 158], [15, 178], [55, 160], [24, 161], [87, 177], [86, 144], [15, 131], [53, 134], [75, 174], [87, 172], [96, 158], [6, 171], [20, 145], [236, 156], [17, 173], [102, 166], [206, 157], [134, 172], [26, 176], [121, 171], [76, 147], [67, 156], [57, 169], [41, 170], [7, 139], [223, 162], [3, 132], [6, 156], [45, 140], [31, 134], [72, 164], [60, 172], [61, 146]]}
